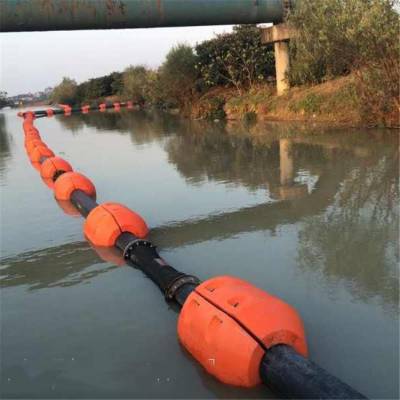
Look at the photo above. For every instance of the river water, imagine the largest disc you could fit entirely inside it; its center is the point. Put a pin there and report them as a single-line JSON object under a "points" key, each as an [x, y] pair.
{"points": [[305, 213]]}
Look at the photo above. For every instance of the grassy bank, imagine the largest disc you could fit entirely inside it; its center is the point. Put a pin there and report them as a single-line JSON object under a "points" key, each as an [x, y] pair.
{"points": [[335, 102]]}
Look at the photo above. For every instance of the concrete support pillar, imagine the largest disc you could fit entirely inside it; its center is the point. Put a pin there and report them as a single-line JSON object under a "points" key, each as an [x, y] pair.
{"points": [[282, 66], [279, 35]]}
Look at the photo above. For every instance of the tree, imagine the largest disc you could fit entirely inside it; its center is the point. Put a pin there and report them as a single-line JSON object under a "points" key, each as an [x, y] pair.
{"points": [[136, 83], [235, 59], [65, 92], [178, 76]]}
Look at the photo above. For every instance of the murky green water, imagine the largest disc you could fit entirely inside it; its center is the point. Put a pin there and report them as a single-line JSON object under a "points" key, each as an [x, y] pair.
{"points": [[310, 216]]}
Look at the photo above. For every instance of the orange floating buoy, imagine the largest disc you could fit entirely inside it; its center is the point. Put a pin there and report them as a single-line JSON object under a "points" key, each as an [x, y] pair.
{"points": [[27, 122], [102, 107], [70, 181], [117, 105], [29, 130], [28, 125], [30, 144], [66, 108], [107, 221], [227, 324], [129, 104], [39, 152], [50, 112], [32, 135], [85, 109], [29, 116], [54, 167]]}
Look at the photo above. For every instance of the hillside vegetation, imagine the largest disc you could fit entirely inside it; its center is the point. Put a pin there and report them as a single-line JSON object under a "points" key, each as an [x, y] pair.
{"points": [[345, 69]]}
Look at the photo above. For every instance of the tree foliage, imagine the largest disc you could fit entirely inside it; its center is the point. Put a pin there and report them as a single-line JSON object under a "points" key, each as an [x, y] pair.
{"points": [[235, 59], [98, 88], [178, 75], [336, 37], [69, 92], [65, 92], [136, 84]]}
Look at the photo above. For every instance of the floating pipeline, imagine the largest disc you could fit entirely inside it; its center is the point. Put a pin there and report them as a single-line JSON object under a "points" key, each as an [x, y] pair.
{"points": [[66, 109], [240, 334]]}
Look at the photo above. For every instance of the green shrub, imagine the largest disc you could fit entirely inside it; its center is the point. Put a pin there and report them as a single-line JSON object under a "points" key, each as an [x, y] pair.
{"points": [[237, 59], [336, 37]]}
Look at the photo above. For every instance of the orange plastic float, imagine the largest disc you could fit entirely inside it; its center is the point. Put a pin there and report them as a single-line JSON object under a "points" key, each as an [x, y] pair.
{"points": [[67, 109], [30, 144], [29, 116], [28, 122], [85, 109], [30, 127], [102, 107], [39, 152], [50, 112], [107, 221], [117, 106], [227, 325], [70, 181], [53, 167], [30, 130], [32, 135]]}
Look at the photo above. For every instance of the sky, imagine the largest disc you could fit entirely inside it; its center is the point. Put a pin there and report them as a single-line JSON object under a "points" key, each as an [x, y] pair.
{"points": [[32, 61]]}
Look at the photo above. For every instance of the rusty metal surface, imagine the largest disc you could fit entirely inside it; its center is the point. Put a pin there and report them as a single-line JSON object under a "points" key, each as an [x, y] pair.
{"points": [[46, 15]]}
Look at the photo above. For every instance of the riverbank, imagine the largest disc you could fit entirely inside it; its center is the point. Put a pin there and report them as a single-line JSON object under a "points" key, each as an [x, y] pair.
{"points": [[335, 102]]}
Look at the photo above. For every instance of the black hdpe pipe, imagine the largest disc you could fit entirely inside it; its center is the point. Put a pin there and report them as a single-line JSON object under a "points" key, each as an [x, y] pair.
{"points": [[282, 369]]}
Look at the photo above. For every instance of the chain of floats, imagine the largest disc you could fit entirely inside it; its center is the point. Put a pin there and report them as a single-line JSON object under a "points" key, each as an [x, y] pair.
{"points": [[240, 334]]}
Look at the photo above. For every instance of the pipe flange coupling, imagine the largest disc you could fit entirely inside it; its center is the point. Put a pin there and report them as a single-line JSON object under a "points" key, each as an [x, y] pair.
{"points": [[129, 249], [178, 283]]}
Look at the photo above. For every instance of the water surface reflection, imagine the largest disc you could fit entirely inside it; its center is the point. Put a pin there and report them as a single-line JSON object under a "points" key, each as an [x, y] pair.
{"points": [[307, 213]]}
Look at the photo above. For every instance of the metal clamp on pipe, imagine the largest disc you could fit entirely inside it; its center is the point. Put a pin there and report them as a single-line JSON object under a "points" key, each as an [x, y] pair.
{"points": [[128, 252], [178, 283]]}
